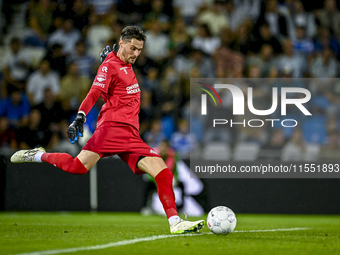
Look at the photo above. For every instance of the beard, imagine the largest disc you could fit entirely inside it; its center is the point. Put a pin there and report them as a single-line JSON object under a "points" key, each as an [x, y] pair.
{"points": [[128, 59]]}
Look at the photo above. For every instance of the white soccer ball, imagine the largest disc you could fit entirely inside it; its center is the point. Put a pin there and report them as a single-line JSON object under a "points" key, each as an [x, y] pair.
{"points": [[221, 220]]}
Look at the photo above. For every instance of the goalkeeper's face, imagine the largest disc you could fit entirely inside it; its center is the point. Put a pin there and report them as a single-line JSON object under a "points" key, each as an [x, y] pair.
{"points": [[130, 50]]}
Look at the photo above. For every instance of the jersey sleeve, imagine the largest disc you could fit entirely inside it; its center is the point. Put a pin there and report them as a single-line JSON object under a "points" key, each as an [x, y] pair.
{"points": [[90, 100], [104, 77], [100, 84]]}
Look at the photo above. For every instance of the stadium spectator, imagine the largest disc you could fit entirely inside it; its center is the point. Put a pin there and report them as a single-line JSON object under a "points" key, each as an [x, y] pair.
{"points": [[236, 15], [205, 41], [67, 36], [146, 107], [179, 36], [242, 38], [216, 134], [277, 22], [7, 11], [170, 88], [295, 148], [182, 139], [8, 140], [324, 40], [264, 36], [290, 60], [169, 113], [157, 47], [329, 16], [324, 65], [55, 122], [60, 13], [57, 59], [272, 149], [74, 87], [40, 22], [299, 18], [16, 108], [202, 62], [254, 71], [41, 79], [51, 111], [331, 150], [301, 43], [155, 134], [157, 13], [234, 67], [188, 9], [133, 11], [264, 60], [80, 14], [143, 64], [99, 32], [102, 8], [32, 135], [214, 18], [84, 61], [16, 66], [151, 81]]}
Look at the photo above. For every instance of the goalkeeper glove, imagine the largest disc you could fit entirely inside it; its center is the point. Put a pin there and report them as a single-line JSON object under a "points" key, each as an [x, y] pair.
{"points": [[106, 51], [76, 128]]}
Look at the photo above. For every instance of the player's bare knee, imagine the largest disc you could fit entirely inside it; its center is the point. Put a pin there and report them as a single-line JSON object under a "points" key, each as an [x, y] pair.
{"points": [[151, 165], [88, 158]]}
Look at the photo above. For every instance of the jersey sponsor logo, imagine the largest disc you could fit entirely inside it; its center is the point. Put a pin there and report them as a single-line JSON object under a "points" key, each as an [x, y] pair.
{"points": [[152, 151], [133, 89], [99, 84], [101, 77], [104, 69], [124, 68]]}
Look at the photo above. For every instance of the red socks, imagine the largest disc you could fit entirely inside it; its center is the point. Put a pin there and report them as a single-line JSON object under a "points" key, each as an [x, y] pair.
{"points": [[164, 179], [65, 162], [166, 193]]}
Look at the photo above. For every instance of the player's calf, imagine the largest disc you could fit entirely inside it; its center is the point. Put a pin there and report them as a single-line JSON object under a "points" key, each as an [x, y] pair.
{"points": [[63, 161]]}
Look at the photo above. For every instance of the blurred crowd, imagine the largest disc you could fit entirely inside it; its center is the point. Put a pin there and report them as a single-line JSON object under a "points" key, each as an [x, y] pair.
{"points": [[50, 53]]}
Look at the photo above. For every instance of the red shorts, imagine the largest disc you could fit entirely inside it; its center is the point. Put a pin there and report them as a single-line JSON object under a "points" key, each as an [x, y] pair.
{"points": [[112, 138]]}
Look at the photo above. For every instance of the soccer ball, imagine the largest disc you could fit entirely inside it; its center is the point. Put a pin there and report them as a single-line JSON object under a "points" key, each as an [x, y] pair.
{"points": [[221, 220]]}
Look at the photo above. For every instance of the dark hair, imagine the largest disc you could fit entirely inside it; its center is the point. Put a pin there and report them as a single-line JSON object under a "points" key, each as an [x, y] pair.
{"points": [[132, 32], [15, 40]]}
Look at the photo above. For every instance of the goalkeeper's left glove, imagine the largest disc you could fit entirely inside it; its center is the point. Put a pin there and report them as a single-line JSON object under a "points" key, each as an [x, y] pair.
{"points": [[106, 51]]}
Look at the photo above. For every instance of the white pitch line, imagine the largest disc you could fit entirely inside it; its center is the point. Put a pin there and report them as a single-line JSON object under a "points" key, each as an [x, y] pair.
{"points": [[144, 239]]}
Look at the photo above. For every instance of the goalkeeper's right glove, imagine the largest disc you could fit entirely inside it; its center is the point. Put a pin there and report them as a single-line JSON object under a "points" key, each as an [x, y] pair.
{"points": [[76, 128]]}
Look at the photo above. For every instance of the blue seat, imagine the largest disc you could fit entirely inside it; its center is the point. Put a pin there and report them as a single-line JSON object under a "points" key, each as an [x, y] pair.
{"points": [[314, 129]]}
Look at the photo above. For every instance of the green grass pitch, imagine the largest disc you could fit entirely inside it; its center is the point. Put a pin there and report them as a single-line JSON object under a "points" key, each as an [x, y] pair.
{"points": [[130, 233]]}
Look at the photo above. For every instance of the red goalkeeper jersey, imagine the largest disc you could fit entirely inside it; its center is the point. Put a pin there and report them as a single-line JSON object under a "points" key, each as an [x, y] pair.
{"points": [[119, 90]]}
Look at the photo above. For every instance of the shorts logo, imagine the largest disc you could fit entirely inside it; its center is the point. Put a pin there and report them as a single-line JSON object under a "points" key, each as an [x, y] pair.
{"points": [[101, 77], [152, 151], [99, 84], [104, 69]]}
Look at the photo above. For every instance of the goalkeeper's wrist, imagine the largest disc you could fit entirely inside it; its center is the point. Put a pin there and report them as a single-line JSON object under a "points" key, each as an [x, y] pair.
{"points": [[81, 116]]}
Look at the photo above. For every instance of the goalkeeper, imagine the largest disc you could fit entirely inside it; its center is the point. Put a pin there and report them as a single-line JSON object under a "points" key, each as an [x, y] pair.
{"points": [[117, 130]]}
